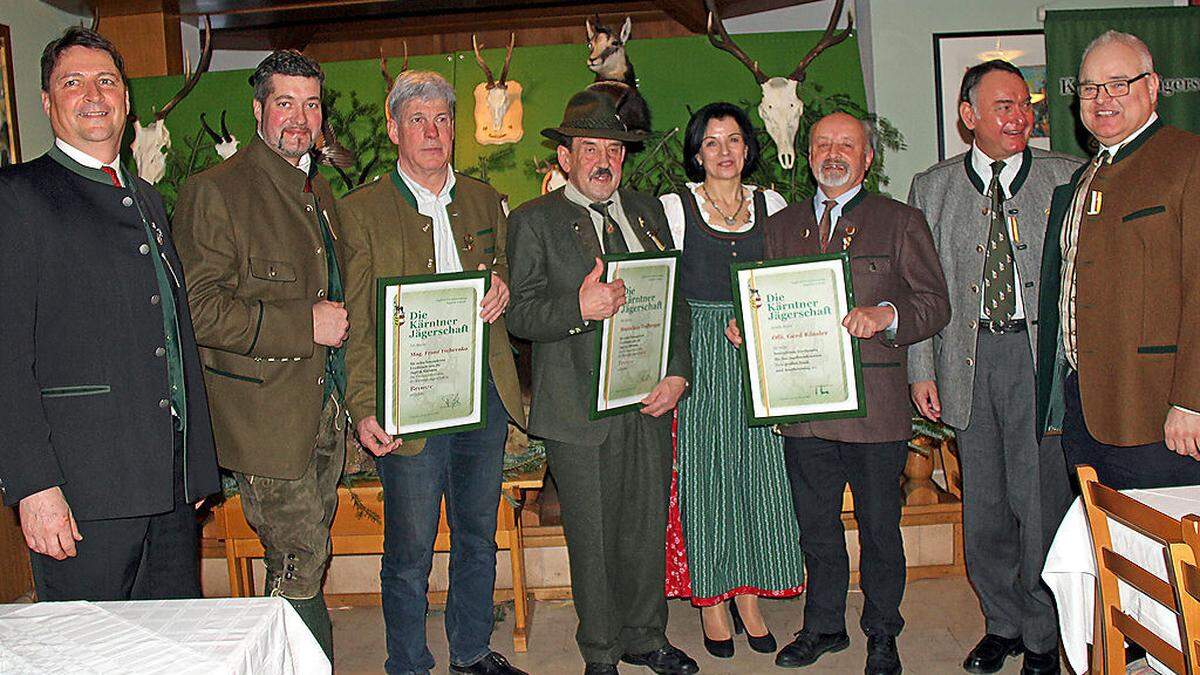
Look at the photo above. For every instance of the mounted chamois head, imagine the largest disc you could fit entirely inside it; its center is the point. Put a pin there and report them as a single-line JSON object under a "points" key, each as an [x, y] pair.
{"points": [[781, 107], [606, 52], [224, 143], [151, 142], [498, 119]]}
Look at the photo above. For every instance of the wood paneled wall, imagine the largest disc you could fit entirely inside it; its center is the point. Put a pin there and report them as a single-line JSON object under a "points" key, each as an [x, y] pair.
{"points": [[15, 577]]}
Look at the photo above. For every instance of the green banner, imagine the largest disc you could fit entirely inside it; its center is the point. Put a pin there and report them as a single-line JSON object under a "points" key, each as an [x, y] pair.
{"points": [[1170, 32]]}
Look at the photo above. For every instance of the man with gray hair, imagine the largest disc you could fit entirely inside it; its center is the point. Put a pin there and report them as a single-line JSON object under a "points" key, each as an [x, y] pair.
{"points": [[423, 218], [1119, 339], [987, 210], [256, 235]]}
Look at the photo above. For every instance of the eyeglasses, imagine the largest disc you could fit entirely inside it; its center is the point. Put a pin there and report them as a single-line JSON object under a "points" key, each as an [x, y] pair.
{"points": [[1114, 89]]}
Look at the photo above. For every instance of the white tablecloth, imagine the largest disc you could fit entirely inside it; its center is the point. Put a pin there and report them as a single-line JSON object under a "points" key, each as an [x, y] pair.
{"points": [[173, 637], [1070, 572]]}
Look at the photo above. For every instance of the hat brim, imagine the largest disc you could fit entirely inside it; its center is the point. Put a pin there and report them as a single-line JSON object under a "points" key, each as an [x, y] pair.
{"points": [[565, 134]]}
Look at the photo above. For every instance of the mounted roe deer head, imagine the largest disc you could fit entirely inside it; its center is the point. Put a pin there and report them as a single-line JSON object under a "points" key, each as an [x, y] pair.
{"points": [[781, 108], [151, 142], [498, 109], [224, 143]]}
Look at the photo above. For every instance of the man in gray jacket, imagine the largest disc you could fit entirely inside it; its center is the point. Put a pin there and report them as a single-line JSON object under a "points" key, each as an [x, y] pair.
{"points": [[987, 210]]}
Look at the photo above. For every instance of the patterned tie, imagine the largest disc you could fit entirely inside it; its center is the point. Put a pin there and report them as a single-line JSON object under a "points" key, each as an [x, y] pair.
{"points": [[614, 241], [826, 223], [112, 173], [999, 297]]}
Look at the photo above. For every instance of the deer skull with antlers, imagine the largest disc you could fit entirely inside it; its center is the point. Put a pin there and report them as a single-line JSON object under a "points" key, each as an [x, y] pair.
{"points": [[781, 108], [224, 143], [498, 109], [151, 141]]}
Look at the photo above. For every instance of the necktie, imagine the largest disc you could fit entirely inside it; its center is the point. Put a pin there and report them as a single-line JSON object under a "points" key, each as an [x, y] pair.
{"points": [[826, 223], [999, 297], [614, 241], [112, 173]]}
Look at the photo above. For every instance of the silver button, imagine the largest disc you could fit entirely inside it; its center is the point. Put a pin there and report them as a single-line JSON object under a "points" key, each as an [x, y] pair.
{"points": [[318, 250], [127, 201], [429, 264], [979, 248], [160, 352], [321, 293], [144, 249], [163, 403], [974, 325], [974, 288], [154, 299], [970, 362], [425, 227], [321, 380], [308, 207]]}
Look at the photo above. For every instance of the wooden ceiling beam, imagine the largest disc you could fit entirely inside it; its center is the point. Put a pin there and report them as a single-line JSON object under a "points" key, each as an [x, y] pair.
{"points": [[689, 13]]}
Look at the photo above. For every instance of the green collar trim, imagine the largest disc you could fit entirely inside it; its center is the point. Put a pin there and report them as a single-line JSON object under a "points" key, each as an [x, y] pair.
{"points": [[407, 194], [1018, 180], [89, 173], [855, 200], [1127, 149]]}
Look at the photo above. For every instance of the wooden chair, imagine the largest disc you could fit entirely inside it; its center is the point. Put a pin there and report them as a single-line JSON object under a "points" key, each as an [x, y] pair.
{"points": [[1114, 626], [1187, 573]]}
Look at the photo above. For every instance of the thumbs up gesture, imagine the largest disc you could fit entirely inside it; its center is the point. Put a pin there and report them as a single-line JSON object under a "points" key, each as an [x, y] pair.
{"points": [[598, 300]]}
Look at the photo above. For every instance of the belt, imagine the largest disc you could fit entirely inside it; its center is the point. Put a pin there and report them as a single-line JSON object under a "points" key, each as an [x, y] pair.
{"points": [[998, 327]]}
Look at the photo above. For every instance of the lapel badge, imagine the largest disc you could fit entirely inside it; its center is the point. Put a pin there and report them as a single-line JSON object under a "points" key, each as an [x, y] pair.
{"points": [[806, 233], [1097, 198], [468, 243], [850, 230]]}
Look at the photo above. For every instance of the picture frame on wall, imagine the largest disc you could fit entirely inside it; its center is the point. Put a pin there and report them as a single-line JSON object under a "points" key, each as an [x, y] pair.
{"points": [[10, 138], [954, 53]]}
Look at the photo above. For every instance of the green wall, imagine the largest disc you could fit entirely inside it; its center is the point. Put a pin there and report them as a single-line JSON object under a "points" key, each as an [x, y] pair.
{"points": [[674, 74]]}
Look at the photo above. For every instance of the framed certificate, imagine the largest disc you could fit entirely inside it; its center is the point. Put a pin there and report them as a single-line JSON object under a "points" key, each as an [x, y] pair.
{"points": [[801, 364], [431, 350], [633, 345]]}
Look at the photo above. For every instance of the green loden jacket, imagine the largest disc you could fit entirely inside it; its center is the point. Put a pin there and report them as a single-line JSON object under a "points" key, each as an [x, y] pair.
{"points": [[250, 240], [385, 236]]}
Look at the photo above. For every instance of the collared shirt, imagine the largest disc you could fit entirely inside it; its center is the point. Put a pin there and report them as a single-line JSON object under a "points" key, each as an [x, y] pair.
{"points": [[615, 209], [835, 214], [303, 164], [90, 162], [433, 206], [982, 164], [1113, 150]]}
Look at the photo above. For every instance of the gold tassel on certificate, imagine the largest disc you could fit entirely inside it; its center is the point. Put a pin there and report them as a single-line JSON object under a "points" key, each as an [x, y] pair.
{"points": [[755, 303], [397, 323], [612, 327]]}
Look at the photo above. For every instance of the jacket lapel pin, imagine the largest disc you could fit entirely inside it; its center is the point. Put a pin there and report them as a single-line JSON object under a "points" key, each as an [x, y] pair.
{"points": [[651, 235], [850, 230], [468, 243]]}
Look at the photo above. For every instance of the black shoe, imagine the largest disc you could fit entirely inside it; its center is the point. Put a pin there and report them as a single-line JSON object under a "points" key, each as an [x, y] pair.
{"points": [[989, 655], [667, 660], [1045, 663], [722, 649], [600, 669], [809, 646], [882, 657], [763, 644], [492, 664]]}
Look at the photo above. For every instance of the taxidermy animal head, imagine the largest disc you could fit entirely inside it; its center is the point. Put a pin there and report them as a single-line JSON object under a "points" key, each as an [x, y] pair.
{"points": [[781, 108], [606, 51], [383, 70], [498, 109], [151, 141], [224, 142]]}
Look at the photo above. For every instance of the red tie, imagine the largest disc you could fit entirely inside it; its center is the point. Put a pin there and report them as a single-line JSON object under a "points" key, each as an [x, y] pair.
{"points": [[112, 173]]}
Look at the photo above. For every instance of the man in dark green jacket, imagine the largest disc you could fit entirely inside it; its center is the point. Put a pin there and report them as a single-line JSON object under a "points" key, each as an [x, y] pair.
{"points": [[257, 236], [613, 474]]}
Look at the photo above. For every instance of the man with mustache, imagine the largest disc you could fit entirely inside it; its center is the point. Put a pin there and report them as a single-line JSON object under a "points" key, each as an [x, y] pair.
{"points": [[1119, 345], [424, 218], [901, 299], [257, 234], [987, 210], [107, 445], [613, 474]]}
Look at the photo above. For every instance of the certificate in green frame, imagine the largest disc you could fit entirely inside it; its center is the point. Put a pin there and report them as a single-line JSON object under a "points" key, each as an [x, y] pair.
{"points": [[431, 348], [633, 346], [800, 363]]}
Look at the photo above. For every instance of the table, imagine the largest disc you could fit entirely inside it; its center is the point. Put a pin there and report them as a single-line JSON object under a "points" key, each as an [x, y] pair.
{"points": [[1070, 572], [173, 637]]}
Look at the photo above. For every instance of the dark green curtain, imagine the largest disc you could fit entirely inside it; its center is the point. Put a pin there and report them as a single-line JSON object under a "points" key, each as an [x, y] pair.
{"points": [[1173, 35]]}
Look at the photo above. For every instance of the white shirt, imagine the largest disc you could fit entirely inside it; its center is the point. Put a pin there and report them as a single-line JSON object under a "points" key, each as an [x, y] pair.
{"points": [[983, 167], [835, 214], [673, 207], [90, 162], [433, 206], [615, 209]]}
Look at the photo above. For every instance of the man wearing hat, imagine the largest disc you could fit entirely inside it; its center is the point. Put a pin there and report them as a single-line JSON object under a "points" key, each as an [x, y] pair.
{"points": [[613, 474]]}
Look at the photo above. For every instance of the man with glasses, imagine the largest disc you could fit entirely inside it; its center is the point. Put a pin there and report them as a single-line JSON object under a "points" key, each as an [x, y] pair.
{"points": [[1119, 340]]}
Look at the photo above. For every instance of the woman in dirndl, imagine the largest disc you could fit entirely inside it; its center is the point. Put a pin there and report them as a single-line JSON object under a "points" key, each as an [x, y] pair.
{"points": [[738, 526]]}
